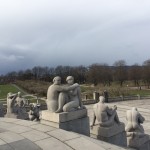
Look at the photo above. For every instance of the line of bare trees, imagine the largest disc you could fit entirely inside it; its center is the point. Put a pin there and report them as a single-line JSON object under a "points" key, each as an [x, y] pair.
{"points": [[95, 73]]}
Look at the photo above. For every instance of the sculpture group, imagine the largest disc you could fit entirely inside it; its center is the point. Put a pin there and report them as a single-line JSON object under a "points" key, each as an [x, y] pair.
{"points": [[16, 108], [64, 103], [64, 98]]}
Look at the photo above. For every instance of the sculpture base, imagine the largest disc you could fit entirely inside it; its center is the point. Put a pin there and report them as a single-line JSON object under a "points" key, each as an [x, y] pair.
{"points": [[10, 115], [142, 143], [115, 134], [76, 121], [24, 116]]}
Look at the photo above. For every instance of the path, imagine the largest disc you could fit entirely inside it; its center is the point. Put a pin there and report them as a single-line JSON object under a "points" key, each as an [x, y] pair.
{"points": [[16, 134]]}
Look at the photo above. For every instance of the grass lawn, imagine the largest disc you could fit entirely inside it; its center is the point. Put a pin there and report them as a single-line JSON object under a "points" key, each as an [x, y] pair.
{"points": [[4, 89]]}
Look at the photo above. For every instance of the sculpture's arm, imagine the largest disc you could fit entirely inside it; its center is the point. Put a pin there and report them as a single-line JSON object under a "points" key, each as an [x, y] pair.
{"points": [[67, 88], [109, 110], [13, 100], [74, 92], [141, 119], [79, 96]]}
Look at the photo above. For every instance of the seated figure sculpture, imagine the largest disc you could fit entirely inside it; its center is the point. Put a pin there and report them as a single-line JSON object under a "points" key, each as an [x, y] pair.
{"points": [[71, 100], [53, 93], [34, 113], [105, 116], [134, 127]]}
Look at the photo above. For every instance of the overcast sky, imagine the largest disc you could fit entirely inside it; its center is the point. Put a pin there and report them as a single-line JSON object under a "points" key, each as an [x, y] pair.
{"points": [[73, 32]]}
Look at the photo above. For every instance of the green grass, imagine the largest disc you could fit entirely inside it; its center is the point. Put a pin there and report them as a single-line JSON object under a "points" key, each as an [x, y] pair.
{"points": [[143, 92], [4, 89]]}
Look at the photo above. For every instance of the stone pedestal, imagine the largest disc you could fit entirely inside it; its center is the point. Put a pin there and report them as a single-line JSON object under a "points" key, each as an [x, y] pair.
{"points": [[142, 143], [115, 134], [10, 115], [76, 121]]}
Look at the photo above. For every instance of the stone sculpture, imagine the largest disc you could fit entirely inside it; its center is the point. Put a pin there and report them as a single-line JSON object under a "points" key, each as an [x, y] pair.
{"points": [[34, 113], [136, 137], [19, 107], [105, 116], [20, 102], [71, 100], [15, 106], [65, 109], [11, 102], [108, 127], [134, 119], [53, 93]]}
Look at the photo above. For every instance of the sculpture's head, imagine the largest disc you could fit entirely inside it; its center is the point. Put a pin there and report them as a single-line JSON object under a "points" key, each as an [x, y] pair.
{"points": [[19, 94], [101, 99], [70, 80], [57, 80], [9, 94], [134, 109]]}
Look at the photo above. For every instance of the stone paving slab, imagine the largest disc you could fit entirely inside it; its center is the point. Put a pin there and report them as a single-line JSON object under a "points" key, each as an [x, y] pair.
{"points": [[10, 137], [52, 144], [19, 129], [63, 135], [42, 128], [24, 145], [83, 143], [35, 136]]}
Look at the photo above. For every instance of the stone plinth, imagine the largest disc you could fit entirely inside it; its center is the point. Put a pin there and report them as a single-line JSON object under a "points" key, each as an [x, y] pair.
{"points": [[76, 121], [142, 143], [115, 134], [11, 115]]}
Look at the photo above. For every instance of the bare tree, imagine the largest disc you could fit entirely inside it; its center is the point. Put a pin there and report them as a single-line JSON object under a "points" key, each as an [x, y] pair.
{"points": [[135, 74], [146, 72], [120, 71]]}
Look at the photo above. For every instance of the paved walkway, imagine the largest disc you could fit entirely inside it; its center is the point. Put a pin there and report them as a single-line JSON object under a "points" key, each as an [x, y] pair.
{"points": [[18, 134]]}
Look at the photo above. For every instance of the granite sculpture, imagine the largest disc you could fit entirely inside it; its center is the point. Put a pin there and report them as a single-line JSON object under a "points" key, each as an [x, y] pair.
{"points": [[16, 106], [106, 125], [136, 138], [34, 113], [71, 100], [64, 107], [105, 116], [10, 103], [54, 94]]}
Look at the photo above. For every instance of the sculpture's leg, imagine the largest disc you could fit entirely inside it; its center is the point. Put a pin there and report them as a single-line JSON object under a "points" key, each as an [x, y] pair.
{"points": [[110, 122], [138, 127], [71, 106], [116, 118], [61, 102], [129, 127]]}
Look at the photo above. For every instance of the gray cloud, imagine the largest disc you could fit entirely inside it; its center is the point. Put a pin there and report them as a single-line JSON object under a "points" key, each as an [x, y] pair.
{"points": [[68, 32]]}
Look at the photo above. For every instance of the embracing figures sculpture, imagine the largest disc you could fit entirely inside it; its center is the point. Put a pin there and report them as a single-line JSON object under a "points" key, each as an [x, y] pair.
{"points": [[63, 97]]}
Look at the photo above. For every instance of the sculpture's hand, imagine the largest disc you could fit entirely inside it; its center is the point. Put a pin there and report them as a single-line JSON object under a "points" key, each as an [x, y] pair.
{"points": [[91, 126], [82, 107]]}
